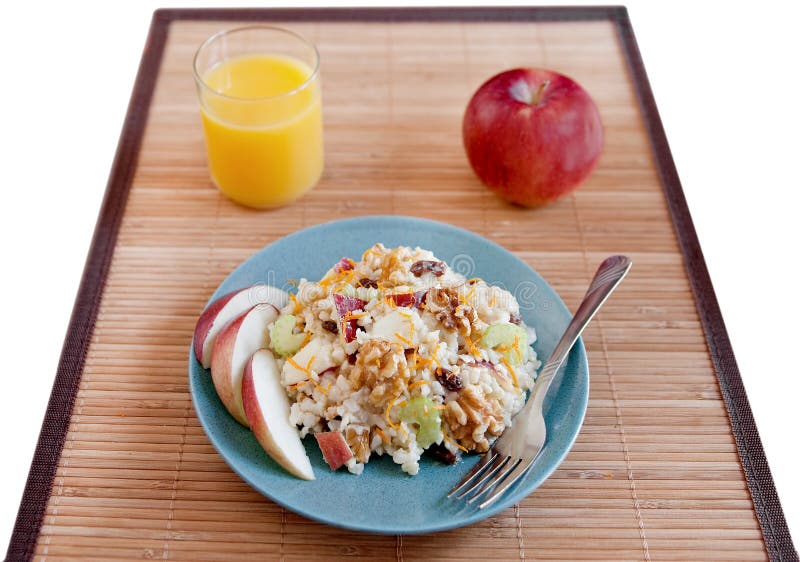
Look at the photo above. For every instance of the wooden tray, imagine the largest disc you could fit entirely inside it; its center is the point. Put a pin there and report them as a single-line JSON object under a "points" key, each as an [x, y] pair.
{"points": [[668, 465]]}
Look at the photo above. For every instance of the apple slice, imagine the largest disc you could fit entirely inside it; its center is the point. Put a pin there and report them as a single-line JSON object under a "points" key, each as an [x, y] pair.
{"points": [[316, 355], [223, 310], [267, 408], [233, 348], [396, 327], [335, 449]]}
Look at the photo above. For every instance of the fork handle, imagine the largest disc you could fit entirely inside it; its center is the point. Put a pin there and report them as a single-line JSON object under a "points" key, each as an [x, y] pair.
{"points": [[608, 276]]}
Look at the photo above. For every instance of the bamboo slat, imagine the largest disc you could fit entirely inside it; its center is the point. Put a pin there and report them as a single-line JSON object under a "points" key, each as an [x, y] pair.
{"points": [[655, 472]]}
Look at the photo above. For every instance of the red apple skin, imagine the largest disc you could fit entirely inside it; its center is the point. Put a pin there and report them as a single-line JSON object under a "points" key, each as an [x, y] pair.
{"points": [[335, 449], [221, 359], [205, 322], [532, 153]]}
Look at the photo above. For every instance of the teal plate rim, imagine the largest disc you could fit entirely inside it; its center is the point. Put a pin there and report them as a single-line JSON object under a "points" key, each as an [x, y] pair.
{"points": [[383, 499]]}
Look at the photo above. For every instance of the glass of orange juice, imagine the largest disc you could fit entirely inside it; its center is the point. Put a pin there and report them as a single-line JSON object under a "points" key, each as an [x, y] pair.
{"points": [[261, 107]]}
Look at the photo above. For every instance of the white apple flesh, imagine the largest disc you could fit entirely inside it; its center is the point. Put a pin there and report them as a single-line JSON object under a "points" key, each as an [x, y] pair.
{"points": [[267, 408], [532, 135], [225, 309], [316, 355], [232, 350]]}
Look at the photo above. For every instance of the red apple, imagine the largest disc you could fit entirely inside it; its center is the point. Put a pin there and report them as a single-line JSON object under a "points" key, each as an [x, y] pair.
{"points": [[232, 350], [345, 304], [532, 135], [225, 309], [335, 449]]}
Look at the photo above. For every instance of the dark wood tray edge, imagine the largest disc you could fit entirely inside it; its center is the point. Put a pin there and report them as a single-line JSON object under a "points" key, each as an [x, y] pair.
{"points": [[68, 374]]}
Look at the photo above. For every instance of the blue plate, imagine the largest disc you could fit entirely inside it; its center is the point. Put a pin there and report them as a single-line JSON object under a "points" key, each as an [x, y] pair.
{"points": [[384, 499]]}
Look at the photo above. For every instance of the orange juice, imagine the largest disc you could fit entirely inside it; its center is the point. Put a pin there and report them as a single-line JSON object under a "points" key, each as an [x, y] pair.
{"points": [[262, 118]]}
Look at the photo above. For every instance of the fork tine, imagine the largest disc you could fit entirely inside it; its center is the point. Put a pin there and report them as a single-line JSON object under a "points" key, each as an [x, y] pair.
{"points": [[498, 463], [476, 470], [512, 478], [498, 477]]}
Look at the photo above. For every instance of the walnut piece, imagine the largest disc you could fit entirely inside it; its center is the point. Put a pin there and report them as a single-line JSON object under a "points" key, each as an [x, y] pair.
{"points": [[381, 367], [473, 419], [359, 444], [443, 303]]}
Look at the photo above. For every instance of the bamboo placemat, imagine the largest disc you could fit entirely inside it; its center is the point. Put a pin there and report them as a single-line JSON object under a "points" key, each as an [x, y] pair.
{"points": [[668, 464]]}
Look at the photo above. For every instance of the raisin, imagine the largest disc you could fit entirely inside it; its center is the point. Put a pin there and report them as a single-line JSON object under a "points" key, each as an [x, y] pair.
{"points": [[515, 319], [352, 358], [331, 326], [367, 283], [440, 453], [419, 268], [449, 379]]}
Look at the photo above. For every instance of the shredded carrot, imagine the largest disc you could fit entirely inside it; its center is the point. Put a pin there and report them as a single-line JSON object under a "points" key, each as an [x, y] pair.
{"points": [[350, 316], [404, 314], [516, 347], [308, 365], [411, 331], [382, 435], [390, 301], [402, 339], [293, 282], [502, 348], [453, 442], [438, 407], [436, 360], [510, 370], [493, 300], [306, 340]]}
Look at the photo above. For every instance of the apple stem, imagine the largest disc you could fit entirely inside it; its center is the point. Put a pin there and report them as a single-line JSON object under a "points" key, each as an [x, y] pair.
{"points": [[539, 92]]}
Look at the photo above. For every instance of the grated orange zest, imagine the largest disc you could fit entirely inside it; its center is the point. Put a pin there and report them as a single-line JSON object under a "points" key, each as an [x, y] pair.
{"points": [[510, 370], [296, 365], [403, 339], [493, 300], [415, 384], [389, 407], [382, 435], [453, 442]]}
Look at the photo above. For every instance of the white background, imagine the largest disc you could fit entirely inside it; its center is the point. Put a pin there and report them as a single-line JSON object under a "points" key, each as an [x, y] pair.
{"points": [[725, 78]]}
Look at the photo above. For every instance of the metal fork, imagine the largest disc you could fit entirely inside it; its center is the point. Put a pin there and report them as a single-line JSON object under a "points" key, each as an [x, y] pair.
{"points": [[515, 451]]}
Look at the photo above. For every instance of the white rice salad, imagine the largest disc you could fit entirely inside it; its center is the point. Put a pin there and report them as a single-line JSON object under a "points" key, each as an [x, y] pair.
{"points": [[401, 354]]}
